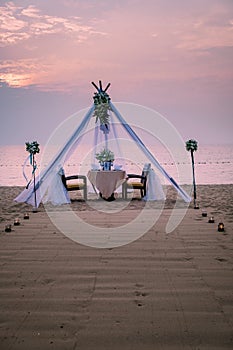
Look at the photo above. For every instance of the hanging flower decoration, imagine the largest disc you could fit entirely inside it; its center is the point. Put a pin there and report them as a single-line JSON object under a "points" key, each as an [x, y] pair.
{"points": [[105, 156], [191, 145], [102, 108], [101, 101], [33, 147], [101, 97]]}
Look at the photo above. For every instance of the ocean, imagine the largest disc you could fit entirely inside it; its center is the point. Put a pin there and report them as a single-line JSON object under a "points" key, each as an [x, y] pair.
{"points": [[213, 164]]}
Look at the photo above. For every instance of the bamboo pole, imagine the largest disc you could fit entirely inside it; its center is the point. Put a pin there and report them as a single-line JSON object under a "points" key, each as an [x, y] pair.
{"points": [[194, 181], [34, 183]]}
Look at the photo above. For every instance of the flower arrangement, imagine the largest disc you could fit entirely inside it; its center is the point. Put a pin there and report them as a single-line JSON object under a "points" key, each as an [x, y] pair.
{"points": [[101, 101], [191, 145], [33, 147], [101, 97], [105, 156]]}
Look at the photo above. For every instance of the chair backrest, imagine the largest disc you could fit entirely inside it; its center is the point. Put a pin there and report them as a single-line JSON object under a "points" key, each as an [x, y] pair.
{"points": [[145, 172], [146, 169], [63, 178]]}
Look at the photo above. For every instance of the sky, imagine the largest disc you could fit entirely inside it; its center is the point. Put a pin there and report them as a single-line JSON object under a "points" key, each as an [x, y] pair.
{"points": [[174, 56]]}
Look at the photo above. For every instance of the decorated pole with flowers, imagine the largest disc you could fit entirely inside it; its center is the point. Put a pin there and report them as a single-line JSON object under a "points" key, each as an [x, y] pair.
{"points": [[191, 146], [33, 148]]}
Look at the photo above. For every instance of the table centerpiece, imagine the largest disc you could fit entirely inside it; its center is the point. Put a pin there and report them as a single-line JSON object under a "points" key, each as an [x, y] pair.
{"points": [[105, 158]]}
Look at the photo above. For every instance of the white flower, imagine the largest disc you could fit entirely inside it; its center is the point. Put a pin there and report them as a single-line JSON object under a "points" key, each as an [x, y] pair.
{"points": [[105, 156], [33, 147]]}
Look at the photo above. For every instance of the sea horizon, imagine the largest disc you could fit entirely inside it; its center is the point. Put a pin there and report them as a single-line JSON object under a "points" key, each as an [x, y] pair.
{"points": [[213, 164]]}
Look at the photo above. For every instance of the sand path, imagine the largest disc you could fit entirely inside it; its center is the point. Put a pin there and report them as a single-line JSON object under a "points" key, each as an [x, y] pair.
{"points": [[163, 291]]}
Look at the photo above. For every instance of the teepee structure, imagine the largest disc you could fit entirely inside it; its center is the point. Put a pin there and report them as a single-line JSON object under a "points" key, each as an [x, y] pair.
{"points": [[48, 184]]}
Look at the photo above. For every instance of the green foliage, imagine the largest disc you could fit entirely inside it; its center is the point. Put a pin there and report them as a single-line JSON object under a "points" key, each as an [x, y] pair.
{"points": [[101, 101], [101, 97], [101, 113], [105, 156], [32, 147], [191, 145]]}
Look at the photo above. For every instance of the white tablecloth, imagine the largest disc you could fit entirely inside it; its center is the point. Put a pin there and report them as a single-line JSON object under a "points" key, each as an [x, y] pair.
{"points": [[106, 181]]}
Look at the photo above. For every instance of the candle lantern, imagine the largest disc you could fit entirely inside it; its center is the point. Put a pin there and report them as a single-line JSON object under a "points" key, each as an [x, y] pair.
{"points": [[221, 227], [204, 213], [8, 228], [211, 220], [26, 216], [17, 222]]}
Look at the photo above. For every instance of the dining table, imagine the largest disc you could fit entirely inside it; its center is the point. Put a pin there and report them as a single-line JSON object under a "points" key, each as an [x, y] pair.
{"points": [[106, 181]]}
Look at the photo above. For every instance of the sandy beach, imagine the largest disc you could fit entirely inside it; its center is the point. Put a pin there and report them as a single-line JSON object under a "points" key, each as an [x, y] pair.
{"points": [[162, 291]]}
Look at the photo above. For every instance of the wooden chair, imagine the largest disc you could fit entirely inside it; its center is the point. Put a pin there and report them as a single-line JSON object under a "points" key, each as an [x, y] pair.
{"points": [[136, 181], [73, 183]]}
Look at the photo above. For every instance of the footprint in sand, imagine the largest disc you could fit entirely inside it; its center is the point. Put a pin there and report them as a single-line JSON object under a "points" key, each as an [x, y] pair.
{"points": [[221, 259], [140, 295], [47, 281]]}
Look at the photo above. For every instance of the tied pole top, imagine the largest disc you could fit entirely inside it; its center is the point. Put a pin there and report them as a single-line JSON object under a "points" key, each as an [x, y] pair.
{"points": [[101, 95]]}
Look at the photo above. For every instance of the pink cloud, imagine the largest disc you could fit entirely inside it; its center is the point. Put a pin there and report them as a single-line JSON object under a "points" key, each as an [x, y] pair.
{"points": [[31, 11], [152, 43], [48, 73], [18, 24], [8, 19]]}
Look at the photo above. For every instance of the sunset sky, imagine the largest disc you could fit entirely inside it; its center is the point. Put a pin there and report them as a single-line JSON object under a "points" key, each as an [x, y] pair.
{"points": [[174, 56]]}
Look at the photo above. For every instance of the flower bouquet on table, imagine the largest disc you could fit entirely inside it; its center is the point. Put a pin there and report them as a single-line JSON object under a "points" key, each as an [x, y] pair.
{"points": [[105, 158]]}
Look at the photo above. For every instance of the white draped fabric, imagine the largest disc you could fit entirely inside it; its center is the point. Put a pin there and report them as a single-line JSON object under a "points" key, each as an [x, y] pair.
{"points": [[149, 155], [56, 193], [52, 190], [154, 189], [44, 184]]}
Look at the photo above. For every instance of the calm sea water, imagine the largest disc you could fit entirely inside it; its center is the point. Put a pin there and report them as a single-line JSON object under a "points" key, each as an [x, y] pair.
{"points": [[213, 164]]}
